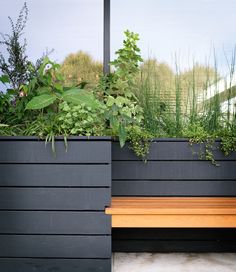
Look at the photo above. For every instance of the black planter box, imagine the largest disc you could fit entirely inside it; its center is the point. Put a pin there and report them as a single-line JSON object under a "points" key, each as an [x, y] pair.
{"points": [[172, 169], [52, 205]]}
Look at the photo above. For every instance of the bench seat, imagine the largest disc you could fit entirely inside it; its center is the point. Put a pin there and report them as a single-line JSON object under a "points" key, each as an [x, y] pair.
{"points": [[173, 212]]}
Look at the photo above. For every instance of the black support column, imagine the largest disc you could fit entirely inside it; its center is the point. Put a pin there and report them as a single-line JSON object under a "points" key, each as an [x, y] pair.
{"points": [[106, 36]]}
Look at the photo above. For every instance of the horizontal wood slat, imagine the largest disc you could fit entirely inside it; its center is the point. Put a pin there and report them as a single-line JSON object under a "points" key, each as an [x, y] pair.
{"points": [[39, 246], [166, 170], [37, 222], [49, 175], [173, 221], [54, 198], [173, 212], [167, 150], [200, 246], [174, 187], [51, 265], [36, 152], [171, 170], [166, 201]]}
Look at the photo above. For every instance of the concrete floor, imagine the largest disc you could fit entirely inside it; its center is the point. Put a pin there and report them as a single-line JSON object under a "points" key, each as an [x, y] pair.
{"points": [[174, 262]]}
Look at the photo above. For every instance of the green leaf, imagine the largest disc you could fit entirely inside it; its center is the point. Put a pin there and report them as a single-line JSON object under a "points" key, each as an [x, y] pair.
{"points": [[122, 135], [4, 79], [32, 84], [110, 101], [58, 87], [113, 122], [40, 102], [120, 101], [78, 96], [11, 91], [44, 90]]}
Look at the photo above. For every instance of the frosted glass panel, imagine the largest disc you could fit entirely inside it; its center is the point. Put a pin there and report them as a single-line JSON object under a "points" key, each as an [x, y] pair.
{"points": [[189, 29], [66, 26]]}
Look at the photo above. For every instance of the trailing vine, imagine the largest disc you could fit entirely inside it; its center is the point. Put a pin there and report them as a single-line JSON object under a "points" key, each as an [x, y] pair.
{"points": [[198, 135], [139, 142], [228, 139]]}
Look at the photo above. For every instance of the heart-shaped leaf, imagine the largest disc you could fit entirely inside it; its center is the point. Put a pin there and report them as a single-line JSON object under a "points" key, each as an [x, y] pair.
{"points": [[78, 96]]}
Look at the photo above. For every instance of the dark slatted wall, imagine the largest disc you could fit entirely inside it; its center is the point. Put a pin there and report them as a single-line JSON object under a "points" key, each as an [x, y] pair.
{"points": [[52, 206], [172, 169]]}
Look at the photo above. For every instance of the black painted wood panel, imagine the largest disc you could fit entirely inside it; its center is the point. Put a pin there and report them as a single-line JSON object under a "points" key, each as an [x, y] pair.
{"points": [[168, 150], [37, 152], [52, 205], [174, 187], [54, 265], [50, 175], [44, 222], [55, 246], [54, 198], [171, 170], [175, 170]]}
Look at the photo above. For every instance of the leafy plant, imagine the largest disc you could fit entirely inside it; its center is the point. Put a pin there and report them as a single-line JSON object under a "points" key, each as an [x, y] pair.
{"points": [[139, 141], [206, 142], [81, 120], [123, 110], [228, 138], [135, 102], [50, 90], [16, 65]]}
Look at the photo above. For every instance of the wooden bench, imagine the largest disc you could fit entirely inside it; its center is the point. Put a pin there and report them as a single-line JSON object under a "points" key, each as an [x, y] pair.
{"points": [[173, 212]]}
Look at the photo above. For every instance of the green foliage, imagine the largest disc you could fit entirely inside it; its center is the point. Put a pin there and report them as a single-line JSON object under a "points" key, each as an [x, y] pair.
{"points": [[139, 141], [79, 97], [15, 66], [206, 141], [4, 130], [228, 138], [5, 99], [18, 73], [45, 88], [135, 102], [123, 111], [82, 120], [174, 105], [127, 64], [50, 90], [41, 101]]}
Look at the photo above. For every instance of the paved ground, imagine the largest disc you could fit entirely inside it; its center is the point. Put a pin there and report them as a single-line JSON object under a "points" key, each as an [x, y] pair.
{"points": [[149, 262]]}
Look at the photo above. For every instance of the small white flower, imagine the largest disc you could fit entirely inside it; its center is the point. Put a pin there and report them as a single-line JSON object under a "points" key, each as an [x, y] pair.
{"points": [[47, 67]]}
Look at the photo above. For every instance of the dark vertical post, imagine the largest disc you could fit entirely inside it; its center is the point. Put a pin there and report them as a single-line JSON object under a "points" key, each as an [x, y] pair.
{"points": [[106, 36]]}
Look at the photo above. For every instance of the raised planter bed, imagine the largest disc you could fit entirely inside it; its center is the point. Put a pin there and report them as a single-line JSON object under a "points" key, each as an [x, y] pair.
{"points": [[52, 206]]}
